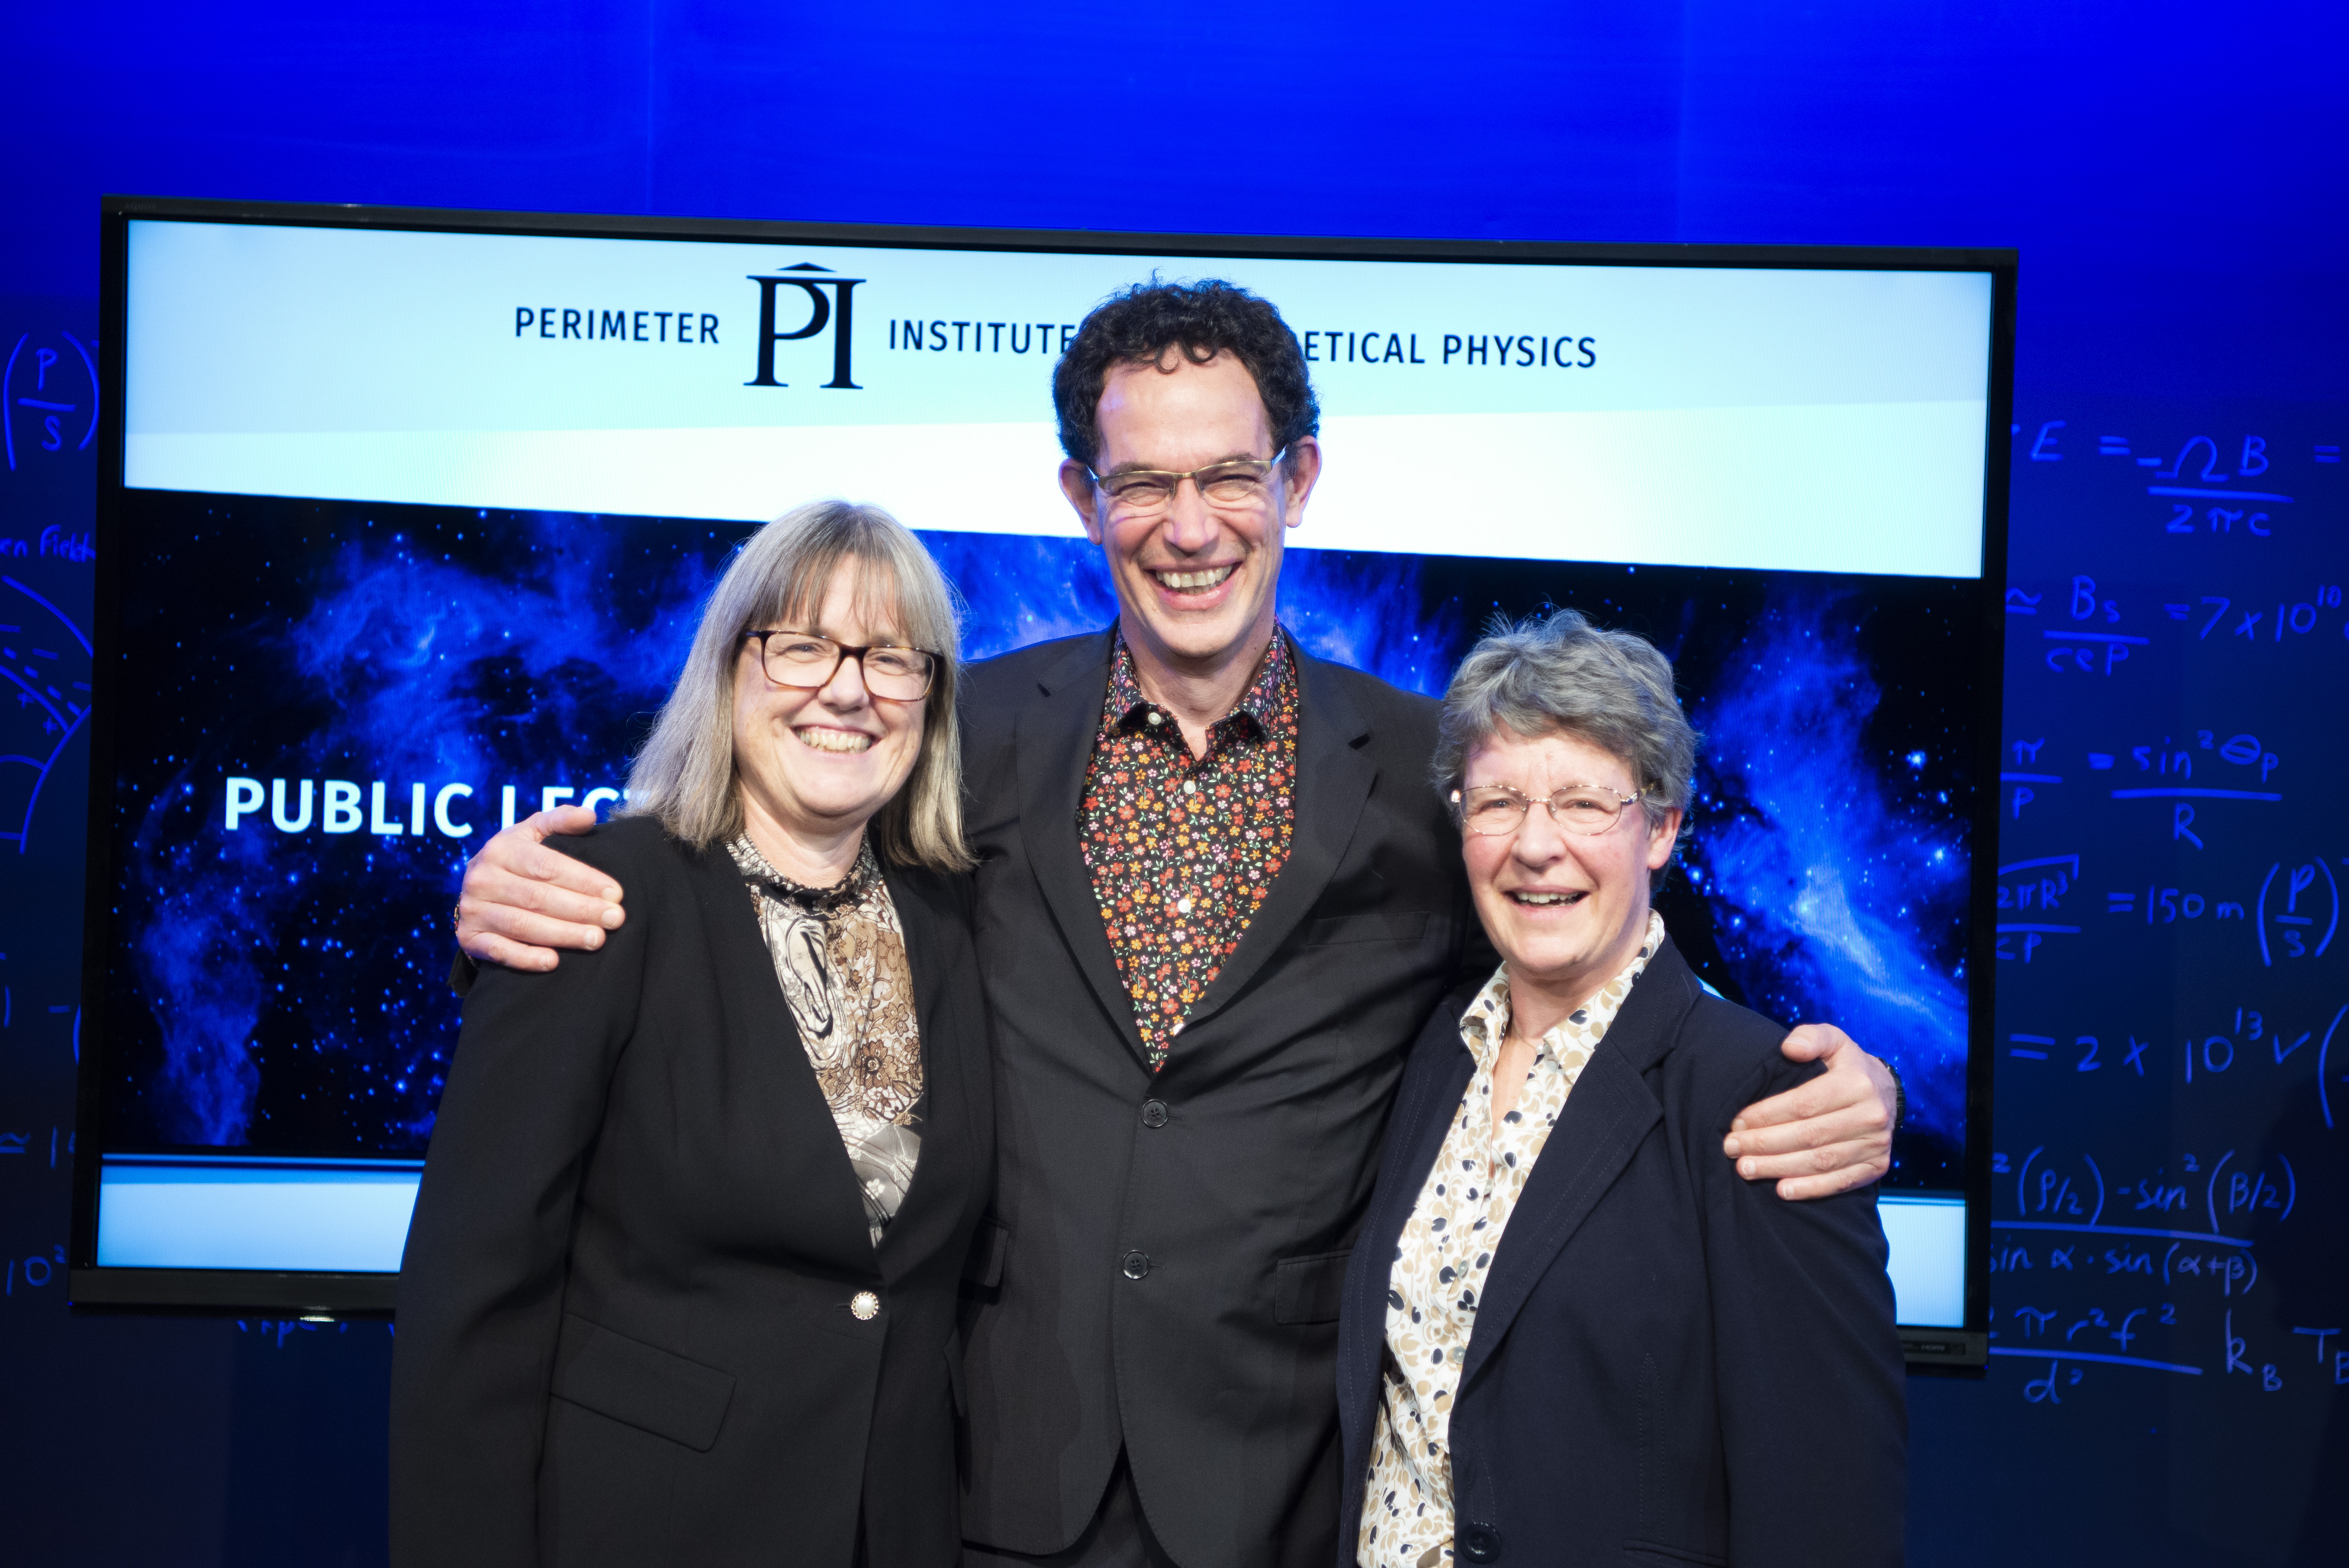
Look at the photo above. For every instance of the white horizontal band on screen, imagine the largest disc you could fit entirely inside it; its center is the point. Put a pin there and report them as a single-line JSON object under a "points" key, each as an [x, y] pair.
{"points": [[338, 1217], [1893, 489], [351, 1216], [1927, 1240]]}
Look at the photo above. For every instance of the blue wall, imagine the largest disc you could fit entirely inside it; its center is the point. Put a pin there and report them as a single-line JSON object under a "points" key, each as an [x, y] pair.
{"points": [[2173, 176]]}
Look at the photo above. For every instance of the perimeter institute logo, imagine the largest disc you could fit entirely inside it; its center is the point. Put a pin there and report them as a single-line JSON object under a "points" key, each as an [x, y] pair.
{"points": [[804, 301], [829, 307]]}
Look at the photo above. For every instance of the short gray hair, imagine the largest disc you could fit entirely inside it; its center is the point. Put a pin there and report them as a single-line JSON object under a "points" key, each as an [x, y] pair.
{"points": [[1560, 675], [685, 775]]}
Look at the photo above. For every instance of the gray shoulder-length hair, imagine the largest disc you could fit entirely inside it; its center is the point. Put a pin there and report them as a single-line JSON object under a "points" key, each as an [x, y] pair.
{"points": [[685, 775], [1560, 675]]}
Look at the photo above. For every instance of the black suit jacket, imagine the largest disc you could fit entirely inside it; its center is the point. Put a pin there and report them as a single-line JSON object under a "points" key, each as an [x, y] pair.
{"points": [[1166, 1254], [625, 1333], [1659, 1342]]}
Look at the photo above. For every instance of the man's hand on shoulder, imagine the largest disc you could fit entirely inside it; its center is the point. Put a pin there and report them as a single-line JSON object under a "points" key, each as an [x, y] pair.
{"points": [[522, 901], [1824, 1136]]}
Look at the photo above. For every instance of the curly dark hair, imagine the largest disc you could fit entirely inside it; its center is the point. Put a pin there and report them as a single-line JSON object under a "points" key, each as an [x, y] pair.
{"points": [[1137, 325]]}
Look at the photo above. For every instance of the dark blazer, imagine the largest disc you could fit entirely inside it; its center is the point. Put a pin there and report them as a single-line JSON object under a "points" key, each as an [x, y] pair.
{"points": [[624, 1332], [1660, 1342], [1163, 1265]]}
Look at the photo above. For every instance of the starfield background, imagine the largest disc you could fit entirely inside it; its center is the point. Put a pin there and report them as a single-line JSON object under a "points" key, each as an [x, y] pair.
{"points": [[284, 991]]}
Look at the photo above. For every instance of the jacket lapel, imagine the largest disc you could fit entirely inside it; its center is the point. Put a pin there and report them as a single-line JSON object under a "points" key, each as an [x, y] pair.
{"points": [[1423, 1111], [1607, 1117], [1334, 775], [1053, 745], [1422, 1120], [947, 1110], [918, 917], [777, 1080]]}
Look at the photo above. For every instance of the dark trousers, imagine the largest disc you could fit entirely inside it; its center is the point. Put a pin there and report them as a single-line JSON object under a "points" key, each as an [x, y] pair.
{"points": [[1118, 1537]]}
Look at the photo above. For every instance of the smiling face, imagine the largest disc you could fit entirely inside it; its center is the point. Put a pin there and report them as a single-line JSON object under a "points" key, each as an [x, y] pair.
{"points": [[1566, 910], [1195, 583], [817, 764]]}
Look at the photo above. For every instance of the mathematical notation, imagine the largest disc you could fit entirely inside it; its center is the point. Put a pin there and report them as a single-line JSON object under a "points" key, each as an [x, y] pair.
{"points": [[2234, 487], [2154, 1265], [2093, 636], [2295, 1053], [2279, 910]]}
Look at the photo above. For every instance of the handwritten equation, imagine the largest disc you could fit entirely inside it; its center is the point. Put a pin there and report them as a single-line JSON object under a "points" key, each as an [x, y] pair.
{"points": [[2207, 486], [2279, 912], [2130, 1267], [2171, 1049], [2302, 1054]]}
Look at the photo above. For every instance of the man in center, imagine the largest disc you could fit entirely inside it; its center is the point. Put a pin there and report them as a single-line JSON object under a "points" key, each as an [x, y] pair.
{"points": [[1217, 901]]}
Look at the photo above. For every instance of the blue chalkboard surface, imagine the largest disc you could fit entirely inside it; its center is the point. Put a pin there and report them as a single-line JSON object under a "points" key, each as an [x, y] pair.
{"points": [[2171, 1178]]}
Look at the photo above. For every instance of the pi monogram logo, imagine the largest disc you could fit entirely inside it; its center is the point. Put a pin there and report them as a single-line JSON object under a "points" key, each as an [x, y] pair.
{"points": [[828, 302]]}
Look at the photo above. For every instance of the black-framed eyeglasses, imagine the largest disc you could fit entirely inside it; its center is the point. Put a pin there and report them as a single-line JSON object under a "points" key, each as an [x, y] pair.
{"points": [[1234, 484], [809, 660], [1496, 811]]}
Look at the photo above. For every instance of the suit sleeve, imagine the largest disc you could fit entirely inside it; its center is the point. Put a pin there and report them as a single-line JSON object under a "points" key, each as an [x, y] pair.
{"points": [[1814, 1405], [481, 1282]]}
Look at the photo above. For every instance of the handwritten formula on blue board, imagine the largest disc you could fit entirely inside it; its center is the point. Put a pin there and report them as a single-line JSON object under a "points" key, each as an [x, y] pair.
{"points": [[2172, 1180]]}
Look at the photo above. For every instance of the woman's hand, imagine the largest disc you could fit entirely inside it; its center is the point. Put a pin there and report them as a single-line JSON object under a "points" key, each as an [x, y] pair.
{"points": [[522, 901], [1821, 1138]]}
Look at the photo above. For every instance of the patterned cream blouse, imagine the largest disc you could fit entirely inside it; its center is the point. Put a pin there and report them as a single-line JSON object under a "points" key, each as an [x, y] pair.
{"points": [[1441, 1259], [840, 956]]}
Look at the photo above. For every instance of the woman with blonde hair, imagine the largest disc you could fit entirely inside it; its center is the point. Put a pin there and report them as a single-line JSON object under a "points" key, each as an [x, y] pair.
{"points": [[680, 1284]]}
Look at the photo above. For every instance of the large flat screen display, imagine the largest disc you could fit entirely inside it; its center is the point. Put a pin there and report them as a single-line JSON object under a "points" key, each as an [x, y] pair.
{"points": [[407, 519]]}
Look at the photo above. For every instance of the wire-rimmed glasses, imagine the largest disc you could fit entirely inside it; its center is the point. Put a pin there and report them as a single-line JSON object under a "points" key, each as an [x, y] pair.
{"points": [[1232, 484], [1496, 811]]}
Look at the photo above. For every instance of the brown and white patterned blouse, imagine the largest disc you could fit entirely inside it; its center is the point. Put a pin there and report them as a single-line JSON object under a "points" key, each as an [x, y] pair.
{"points": [[1182, 849], [840, 956], [1443, 1256]]}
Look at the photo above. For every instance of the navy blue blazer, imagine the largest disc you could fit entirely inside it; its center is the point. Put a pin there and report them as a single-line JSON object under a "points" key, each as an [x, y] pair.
{"points": [[1660, 1343]]}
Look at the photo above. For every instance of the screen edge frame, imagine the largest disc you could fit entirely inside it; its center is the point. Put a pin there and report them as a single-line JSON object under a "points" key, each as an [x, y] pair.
{"points": [[91, 1286]]}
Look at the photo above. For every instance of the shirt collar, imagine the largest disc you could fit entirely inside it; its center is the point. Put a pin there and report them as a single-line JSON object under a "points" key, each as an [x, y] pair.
{"points": [[1485, 1022], [1126, 708], [761, 873]]}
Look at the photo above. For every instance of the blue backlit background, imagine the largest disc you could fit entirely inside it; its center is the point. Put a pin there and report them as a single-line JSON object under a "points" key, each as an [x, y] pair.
{"points": [[2171, 175]]}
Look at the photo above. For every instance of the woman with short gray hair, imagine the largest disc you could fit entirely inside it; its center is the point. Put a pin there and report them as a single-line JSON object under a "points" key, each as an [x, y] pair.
{"points": [[1570, 1330], [1563, 673], [680, 1284]]}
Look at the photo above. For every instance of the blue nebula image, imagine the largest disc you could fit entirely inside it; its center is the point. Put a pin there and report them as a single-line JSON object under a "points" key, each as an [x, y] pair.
{"points": [[1843, 902], [292, 971], [208, 923], [391, 684]]}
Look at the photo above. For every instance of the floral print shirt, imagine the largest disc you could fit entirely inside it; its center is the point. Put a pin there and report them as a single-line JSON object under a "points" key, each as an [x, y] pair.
{"points": [[1180, 849], [840, 956], [1446, 1253]]}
